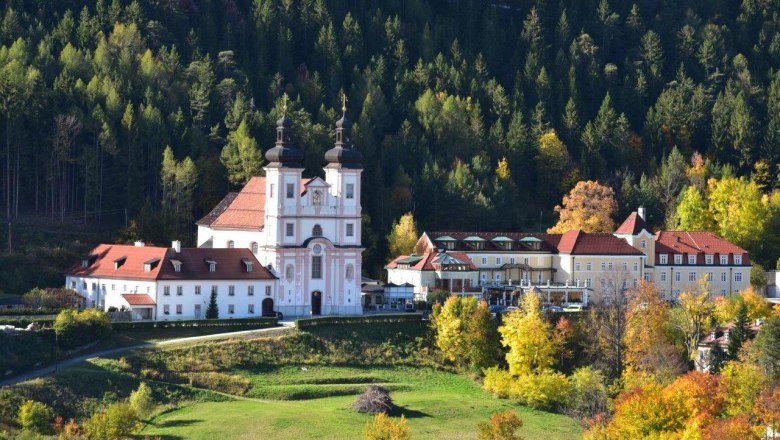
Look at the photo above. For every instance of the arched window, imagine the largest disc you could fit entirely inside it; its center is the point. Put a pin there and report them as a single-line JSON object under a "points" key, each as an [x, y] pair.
{"points": [[230, 244], [316, 231], [253, 247]]}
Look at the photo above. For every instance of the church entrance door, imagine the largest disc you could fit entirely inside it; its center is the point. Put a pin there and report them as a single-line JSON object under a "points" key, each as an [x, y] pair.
{"points": [[268, 307], [316, 302]]}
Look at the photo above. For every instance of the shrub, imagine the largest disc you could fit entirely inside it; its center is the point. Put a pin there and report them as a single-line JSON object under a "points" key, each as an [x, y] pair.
{"points": [[141, 401], [497, 381], [382, 427], [36, 416], [118, 421], [376, 399], [38, 298], [502, 426], [76, 328], [349, 320], [544, 390], [226, 383], [588, 393]]}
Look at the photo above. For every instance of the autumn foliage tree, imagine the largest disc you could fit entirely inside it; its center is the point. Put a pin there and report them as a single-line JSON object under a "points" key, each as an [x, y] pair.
{"points": [[403, 236], [589, 206], [466, 332], [502, 426]]}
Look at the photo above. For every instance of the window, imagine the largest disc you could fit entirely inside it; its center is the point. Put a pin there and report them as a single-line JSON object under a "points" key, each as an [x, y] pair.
{"points": [[625, 266], [677, 276], [663, 276], [214, 289], [231, 244], [484, 261], [643, 244], [178, 309], [577, 266], [709, 276], [691, 276], [316, 231], [588, 282], [636, 267], [350, 230], [723, 277], [267, 290], [603, 266], [722, 291], [316, 267], [350, 190], [525, 261], [73, 285], [288, 273], [231, 309], [179, 290], [251, 309], [231, 290], [272, 191], [588, 267], [737, 277], [691, 259], [647, 276], [253, 247], [289, 229], [609, 265], [498, 261], [166, 309], [290, 190], [197, 290], [350, 272], [511, 260], [250, 290], [737, 259], [708, 259], [166, 290], [724, 259], [662, 259], [678, 259]]}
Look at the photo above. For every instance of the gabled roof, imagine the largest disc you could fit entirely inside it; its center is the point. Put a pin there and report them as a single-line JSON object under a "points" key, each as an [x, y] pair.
{"points": [[212, 216], [247, 210], [427, 260], [134, 257], [633, 225], [694, 242], [231, 264]]}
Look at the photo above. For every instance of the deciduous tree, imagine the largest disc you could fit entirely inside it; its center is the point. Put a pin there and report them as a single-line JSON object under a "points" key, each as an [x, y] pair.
{"points": [[403, 236], [589, 206]]}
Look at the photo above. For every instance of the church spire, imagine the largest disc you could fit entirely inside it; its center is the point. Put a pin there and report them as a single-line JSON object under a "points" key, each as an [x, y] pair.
{"points": [[344, 154], [284, 153]]}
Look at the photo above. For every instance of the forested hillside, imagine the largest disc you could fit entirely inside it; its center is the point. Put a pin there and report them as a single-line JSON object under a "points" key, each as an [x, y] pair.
{"points": [[92, 93]]}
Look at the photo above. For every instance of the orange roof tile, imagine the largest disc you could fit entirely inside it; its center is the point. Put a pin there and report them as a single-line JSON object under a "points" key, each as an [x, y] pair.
{"points": [[247, 210], [106, 256], [138, 299], [698, 243], [632, 225]]}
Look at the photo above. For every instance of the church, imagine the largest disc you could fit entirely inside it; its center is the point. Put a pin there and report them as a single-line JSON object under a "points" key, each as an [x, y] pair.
{"points": [[305, 231]]}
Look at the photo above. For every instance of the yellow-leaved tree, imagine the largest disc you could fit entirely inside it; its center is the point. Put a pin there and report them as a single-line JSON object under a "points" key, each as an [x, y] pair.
{"points": [[738, 207], [532, 345], [589, 206], [466, 333], [693, 317], [757, 307], [403, 236]]}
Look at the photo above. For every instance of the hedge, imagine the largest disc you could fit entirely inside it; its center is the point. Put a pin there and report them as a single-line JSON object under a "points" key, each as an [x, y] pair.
{"points": [[29, 311], [23, 322], [240, 322], [346, 320]]}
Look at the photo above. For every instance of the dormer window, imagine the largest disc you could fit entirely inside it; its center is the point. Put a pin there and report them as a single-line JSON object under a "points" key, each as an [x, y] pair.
{"points": [[86, 262], [212, 264], [151, 264], [691, 259], [231, 244], [247, 264], [532, 243], [502, 242], [176, 265], [447, 241], [119, 262], [737, 259]]}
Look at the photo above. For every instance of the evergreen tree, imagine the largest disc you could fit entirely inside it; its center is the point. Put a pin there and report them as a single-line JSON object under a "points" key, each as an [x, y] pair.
{"points": [[718, 358], [738, 334], [212, 311], [241, 156]]}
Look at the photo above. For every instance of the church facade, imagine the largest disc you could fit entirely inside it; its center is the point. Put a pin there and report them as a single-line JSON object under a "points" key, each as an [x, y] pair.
{"points": [[306, 231]]}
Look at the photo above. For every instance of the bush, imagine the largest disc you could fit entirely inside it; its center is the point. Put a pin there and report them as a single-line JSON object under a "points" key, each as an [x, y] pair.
{"points": [[382, 427], [502, 426], [27, 320], [588, 393], [52, 298], [29, 311], [231, 384], [141, 401], [25, 349], [76, 328], [36, 416], [497, 381], [545, 390], [376, 399], [118, 421]]}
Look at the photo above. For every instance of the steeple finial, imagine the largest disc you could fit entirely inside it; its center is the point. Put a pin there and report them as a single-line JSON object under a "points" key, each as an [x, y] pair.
{"points": [[344, 103]]}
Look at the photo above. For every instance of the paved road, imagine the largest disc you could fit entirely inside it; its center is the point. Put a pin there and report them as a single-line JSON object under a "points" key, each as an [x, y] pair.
{"points": [[75, 360]]}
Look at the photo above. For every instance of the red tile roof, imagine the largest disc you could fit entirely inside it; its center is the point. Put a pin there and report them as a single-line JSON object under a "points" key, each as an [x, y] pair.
{"points": [[138, 299], [212, 216], [427, 260], [698, 243], [247, 210], [633, 225], [574, 242], [230, 265], [105, 256]]}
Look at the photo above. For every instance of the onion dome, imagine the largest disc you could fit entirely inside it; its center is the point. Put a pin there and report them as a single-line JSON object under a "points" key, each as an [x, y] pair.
{"points": [[344, 154], [284, 153]]}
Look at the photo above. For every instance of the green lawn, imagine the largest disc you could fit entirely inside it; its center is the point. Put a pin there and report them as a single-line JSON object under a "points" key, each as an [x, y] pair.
{"points": [[311, 402]]}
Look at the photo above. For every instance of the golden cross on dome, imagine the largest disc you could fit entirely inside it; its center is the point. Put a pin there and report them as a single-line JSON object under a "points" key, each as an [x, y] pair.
{"points": [[284, 103], [344, 102]]}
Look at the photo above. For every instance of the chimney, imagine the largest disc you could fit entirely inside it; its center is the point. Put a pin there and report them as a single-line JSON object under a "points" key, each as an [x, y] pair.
{"points": [[642, 212], [176, 245], [139, 243]]}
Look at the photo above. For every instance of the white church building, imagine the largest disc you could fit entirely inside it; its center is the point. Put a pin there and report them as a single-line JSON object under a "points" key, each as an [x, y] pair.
{"points": [[306, 231]]}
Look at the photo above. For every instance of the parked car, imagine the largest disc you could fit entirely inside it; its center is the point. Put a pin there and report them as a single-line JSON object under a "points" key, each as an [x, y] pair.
{"points": [[552, 309], [409, 308], [573, 308], [272, 314], [497, 308], [512, 309]]}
